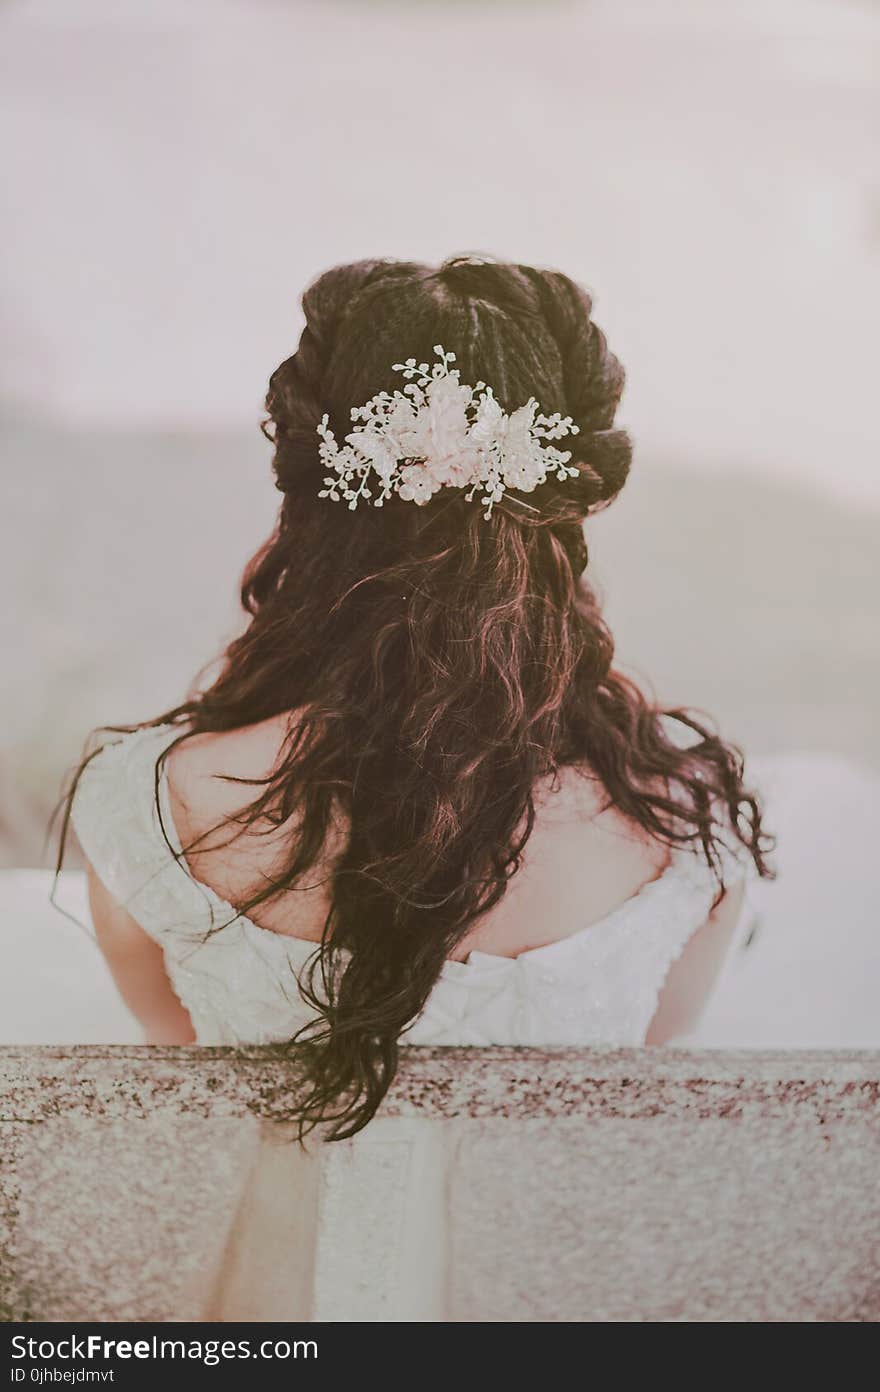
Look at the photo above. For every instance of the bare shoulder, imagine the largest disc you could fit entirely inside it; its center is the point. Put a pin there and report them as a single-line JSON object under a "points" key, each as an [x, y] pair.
{"points": [[583, 860], [212, 776], [576, 818]]}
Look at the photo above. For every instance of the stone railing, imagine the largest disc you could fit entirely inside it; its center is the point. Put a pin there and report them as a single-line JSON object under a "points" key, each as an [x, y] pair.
{"points": [[496, 1184]]}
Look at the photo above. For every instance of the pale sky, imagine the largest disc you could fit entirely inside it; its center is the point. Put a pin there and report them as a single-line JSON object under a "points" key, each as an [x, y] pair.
{"points": [[175, 174]]}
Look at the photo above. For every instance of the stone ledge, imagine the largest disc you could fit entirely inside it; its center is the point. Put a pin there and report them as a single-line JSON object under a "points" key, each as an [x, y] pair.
{"points": [[577, 1185], [40, 1082]]}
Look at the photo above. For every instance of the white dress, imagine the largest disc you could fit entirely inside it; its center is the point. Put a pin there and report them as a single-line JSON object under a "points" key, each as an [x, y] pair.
{"points": [[599, 986]]}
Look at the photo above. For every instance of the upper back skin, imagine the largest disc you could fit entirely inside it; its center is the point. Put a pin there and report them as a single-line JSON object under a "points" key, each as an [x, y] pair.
{"points": [[580, 862]]}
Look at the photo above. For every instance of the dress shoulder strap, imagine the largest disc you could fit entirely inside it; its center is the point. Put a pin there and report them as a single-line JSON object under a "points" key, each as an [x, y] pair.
{"points": [[117, 819]]}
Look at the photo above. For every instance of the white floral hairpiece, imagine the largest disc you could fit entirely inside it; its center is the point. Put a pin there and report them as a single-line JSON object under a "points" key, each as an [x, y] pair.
{"points": [[438, 433]]}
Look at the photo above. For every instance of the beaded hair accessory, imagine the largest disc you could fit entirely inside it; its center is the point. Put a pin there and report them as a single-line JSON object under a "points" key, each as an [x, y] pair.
{"points": [[439, 433]]}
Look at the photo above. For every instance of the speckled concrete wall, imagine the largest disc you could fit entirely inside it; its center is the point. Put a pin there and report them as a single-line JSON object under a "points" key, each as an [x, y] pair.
{"points": [[497, 1184]]}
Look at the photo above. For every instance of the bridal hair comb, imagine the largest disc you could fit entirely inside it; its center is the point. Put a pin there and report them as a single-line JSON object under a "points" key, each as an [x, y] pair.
{"points": [[438, 433]]}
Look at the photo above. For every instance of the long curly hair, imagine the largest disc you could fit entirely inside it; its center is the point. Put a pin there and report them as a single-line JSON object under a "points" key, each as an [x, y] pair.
{"points": [[438, 666]]}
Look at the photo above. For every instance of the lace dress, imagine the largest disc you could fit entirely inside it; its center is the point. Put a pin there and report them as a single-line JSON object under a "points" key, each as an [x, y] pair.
{"points": [[599, 986]]}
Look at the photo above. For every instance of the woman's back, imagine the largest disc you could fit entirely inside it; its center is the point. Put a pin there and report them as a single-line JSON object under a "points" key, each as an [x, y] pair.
{"points": [[582, 860], [470, 828], [604, 936]]}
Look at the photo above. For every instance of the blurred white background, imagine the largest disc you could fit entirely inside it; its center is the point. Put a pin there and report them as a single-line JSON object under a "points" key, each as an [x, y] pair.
{"points": [[174, 175]]}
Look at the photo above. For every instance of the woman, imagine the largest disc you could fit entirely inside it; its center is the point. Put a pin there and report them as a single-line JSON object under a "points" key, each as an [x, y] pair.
{"points": [[417, 804]]}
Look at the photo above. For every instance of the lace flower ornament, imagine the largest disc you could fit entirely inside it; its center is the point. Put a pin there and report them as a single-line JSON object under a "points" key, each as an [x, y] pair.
{"points": [[438, 433]]}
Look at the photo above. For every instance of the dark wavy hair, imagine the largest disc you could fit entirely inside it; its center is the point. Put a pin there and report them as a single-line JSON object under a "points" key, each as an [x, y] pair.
{"points": [[438, 665]]}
